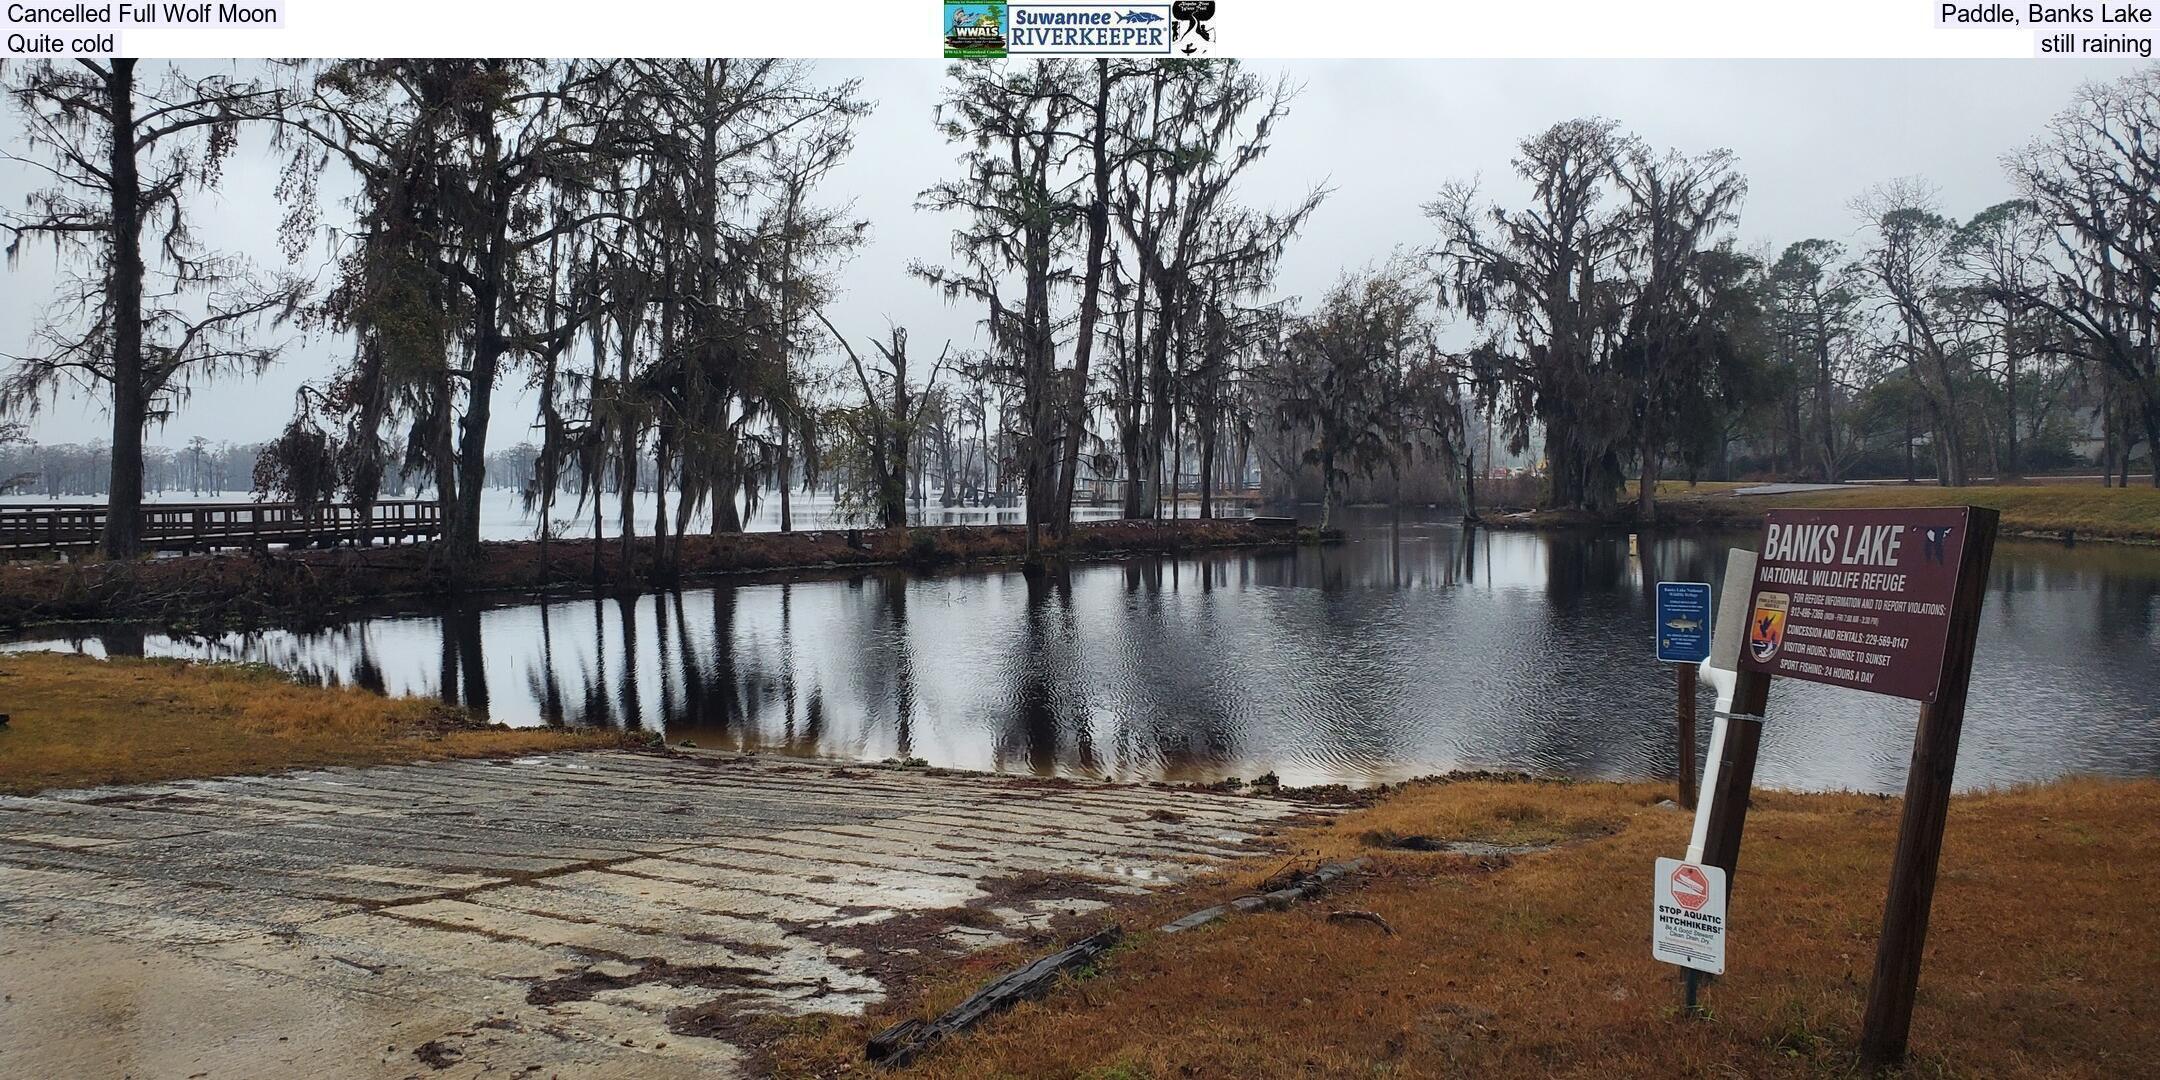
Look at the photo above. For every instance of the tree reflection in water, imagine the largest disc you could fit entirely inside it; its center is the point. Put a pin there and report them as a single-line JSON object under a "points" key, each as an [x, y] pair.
{"points": [[1409, 649]]}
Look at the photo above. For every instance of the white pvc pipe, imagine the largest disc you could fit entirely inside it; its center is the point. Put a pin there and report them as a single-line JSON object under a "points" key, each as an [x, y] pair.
{"points": [[1723, 682], [1721, 672]]}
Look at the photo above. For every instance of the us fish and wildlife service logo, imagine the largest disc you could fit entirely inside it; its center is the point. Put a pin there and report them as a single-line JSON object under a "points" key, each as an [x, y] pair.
{"points": [[1766, 627], [1191, 29], [974, 31]]}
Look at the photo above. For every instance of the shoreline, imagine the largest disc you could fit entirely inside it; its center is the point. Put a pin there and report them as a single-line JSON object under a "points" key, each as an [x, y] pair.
{"points": [[240, 589], [74, 728], [2050, 513]]}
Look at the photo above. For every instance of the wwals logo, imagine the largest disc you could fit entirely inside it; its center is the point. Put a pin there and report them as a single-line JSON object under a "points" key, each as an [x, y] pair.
{"points": [[974, 30]]}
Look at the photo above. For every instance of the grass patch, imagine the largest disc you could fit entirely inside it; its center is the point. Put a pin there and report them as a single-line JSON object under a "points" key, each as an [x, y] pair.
{"points": [[80, 722], [2042, 955]]}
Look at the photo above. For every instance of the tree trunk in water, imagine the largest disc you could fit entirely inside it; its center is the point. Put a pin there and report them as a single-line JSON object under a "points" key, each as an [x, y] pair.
{"points": [[682, 525], [1469, 487], [659, 525], [1177, 470], [1327, 491], [1646, 499], [726, 518], [123, 502], [787, 469], [2151, 409], [986, 492], [1207, 471], [1158, 427], [472, 451], [368, 470], [488, 346], [626, 470], [626, 482], [1131, 362], [1135, 479], [443, 449], [1090, 304], [598, 545], [1563, 472], [921, 464], [892, 486]]}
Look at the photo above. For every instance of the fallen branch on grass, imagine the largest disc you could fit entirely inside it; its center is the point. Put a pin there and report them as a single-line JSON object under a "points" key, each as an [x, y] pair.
{"points": [[1372, 917], [899, 1044], [1300, 889]]}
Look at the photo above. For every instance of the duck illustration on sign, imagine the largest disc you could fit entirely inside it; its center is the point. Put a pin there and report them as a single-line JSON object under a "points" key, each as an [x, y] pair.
{"points": [[1934, 542]]}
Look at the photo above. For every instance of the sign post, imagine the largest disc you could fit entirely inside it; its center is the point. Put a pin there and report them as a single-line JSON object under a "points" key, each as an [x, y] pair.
{"points": [[1888, 1020], [1886, 601], [1683, 638], [1736, 728], [1684, 676]]}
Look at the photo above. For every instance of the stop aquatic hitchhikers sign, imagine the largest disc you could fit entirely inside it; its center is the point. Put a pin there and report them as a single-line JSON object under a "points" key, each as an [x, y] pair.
{"points": [[1687, 922]]}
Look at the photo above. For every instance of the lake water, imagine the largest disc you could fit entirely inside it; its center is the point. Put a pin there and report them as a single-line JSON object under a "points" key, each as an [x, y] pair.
{"points": [[1416, 647]]}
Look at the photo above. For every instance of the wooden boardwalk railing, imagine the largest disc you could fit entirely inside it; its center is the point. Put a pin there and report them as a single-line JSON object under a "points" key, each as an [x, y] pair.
{"points": [[34, 529]]}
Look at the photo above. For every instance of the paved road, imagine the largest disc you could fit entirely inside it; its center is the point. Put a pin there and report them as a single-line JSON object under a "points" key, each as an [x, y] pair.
{"points": [[588, 915]]}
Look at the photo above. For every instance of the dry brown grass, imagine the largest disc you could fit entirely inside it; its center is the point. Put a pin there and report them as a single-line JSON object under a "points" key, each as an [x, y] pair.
{"points": [[2044, 956], [78, 722]]}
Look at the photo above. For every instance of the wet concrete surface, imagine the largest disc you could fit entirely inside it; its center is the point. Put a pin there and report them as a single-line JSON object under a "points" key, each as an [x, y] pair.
{"points": [[583, 915]]}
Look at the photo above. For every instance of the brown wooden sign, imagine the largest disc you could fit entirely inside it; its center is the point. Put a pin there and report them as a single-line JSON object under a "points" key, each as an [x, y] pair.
{"points": [[1858, 598], [1886, 601]]}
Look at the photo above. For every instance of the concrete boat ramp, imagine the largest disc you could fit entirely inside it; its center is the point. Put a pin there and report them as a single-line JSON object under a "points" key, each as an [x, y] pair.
{"points": [[586, 915]]}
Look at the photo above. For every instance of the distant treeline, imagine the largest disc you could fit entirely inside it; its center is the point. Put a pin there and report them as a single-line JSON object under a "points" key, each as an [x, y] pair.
{"points": [[647, 247], [201, 467], [84, 470]]}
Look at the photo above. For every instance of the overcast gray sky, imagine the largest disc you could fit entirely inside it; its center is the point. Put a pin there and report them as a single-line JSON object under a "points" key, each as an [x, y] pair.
{"points": [[1383, 134]]}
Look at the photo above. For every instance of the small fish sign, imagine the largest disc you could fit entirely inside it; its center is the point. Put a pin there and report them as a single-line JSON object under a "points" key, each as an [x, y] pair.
{"points": [[1683, 622]]}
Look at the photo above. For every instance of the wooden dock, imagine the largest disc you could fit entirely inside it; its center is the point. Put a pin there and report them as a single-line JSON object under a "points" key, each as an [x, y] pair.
{"points": [[74, 527]]}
